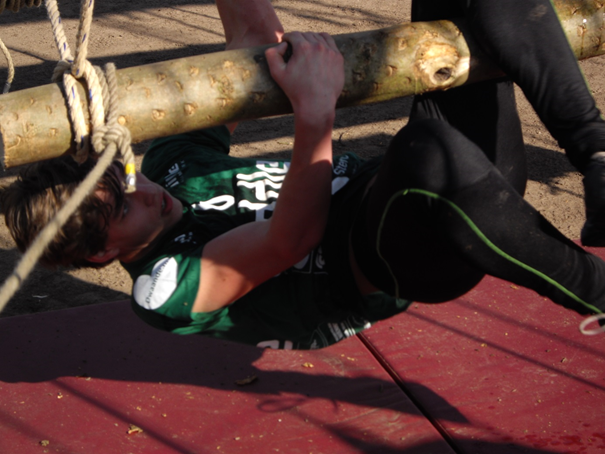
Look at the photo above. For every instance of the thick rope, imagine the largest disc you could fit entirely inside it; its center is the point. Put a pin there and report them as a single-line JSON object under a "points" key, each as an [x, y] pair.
{"points": [[11, 68], [112, 137], [30, 258], [73, 68], [108, 136], [13, 5], [68, 70]]}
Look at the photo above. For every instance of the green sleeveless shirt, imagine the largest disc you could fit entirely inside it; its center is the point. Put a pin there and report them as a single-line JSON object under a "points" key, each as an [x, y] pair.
{"points": [[311, 305]]}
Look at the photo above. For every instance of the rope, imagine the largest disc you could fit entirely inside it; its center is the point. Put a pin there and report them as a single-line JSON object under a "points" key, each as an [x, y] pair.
{"points": [[72, 68], [592, 319], [30, 258], [15, 5], [69, 69], [9, 60], [108, 137], [11, 68]]}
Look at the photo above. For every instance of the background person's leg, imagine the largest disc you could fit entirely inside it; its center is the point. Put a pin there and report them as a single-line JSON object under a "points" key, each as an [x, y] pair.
{"points": [[526, 40]]}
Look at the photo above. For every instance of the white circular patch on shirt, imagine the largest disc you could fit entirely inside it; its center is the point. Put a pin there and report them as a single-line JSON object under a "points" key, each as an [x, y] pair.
{"points": [[153, 291]]}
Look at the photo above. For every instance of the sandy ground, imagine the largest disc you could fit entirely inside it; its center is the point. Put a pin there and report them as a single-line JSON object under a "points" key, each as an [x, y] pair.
{"points": [[135, 32]]}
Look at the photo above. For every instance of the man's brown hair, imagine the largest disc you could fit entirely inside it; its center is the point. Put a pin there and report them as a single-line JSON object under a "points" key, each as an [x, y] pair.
{"points": [[40, 190]]}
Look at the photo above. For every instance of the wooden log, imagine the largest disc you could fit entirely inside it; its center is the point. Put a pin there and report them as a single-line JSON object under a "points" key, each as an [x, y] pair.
{"points": [[181, 95]]}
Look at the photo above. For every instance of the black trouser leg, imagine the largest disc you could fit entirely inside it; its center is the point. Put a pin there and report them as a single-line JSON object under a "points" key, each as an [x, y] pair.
{"points": [[440, 215], [525, 39], [486, 113]]}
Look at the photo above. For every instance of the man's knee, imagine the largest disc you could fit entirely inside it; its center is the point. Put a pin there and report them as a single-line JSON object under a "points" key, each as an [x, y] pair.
{"points": [[435, 156]]}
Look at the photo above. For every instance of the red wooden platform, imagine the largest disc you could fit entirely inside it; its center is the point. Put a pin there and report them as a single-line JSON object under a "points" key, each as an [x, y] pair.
{"points": [[498, 378], [498, 371], [79, 378]]}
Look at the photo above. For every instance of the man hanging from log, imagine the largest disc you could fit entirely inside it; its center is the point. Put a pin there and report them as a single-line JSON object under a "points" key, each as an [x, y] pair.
{"points": [[213, 250]]}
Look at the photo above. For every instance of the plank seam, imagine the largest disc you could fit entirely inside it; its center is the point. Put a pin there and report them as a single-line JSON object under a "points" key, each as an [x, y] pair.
{"points": [[401, 384]]}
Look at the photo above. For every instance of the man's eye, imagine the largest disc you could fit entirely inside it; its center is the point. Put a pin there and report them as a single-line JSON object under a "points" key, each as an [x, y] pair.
{"points": [[124, 209]]}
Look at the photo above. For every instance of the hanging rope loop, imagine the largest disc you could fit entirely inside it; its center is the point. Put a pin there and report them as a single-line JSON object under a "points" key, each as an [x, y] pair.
{"points": [[108, 136], [11, 68], [113, 132], [599, 329]]}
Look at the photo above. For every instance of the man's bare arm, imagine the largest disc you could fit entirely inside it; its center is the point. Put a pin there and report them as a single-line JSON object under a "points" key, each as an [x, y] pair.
{"points": [[248, 23], [243, 258]]}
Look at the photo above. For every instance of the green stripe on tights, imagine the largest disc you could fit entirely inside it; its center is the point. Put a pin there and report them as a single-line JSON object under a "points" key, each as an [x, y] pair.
{"points": [[480, 235]]}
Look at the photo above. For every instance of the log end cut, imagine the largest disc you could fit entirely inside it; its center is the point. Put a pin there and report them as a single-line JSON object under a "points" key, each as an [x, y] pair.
{"points": [[440, 66]]}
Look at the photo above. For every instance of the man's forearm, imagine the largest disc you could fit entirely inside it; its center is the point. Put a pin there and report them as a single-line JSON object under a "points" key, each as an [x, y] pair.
{"points": [[249, 23], [302, 208], [312, 78]]}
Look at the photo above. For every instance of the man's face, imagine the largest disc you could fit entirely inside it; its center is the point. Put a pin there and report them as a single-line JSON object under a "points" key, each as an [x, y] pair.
{"points": [[141, 221]]}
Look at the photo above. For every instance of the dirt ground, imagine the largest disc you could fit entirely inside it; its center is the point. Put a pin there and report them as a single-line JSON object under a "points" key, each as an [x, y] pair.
{"points": [[135, 32]]}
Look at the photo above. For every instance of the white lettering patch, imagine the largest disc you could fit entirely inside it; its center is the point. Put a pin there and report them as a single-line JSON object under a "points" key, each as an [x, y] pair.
{"points": [[174, 176], [153, 291], [341, 168], [338, 183], [276, 345], [220, 203]]}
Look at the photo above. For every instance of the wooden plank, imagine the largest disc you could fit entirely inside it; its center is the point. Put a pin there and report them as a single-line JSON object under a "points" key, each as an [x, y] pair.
{"points": [[501, 370], [79, 378]]}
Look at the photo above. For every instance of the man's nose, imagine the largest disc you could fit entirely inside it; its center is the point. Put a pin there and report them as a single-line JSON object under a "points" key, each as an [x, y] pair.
{"points": [[145, 192]]}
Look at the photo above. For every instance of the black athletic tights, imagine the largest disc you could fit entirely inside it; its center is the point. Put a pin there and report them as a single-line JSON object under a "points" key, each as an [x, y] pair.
{"points": [[447, 205]]}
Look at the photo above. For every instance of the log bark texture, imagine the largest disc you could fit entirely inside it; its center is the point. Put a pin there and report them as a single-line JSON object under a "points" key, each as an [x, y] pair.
{"points": [[181, 95]]}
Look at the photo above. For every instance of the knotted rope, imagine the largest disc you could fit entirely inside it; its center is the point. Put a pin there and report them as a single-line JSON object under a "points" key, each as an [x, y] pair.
{"points": [[71, 69], [108, 137]]}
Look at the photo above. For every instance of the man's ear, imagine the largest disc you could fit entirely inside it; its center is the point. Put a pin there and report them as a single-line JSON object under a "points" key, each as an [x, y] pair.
{"points": [[104, 256]]}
